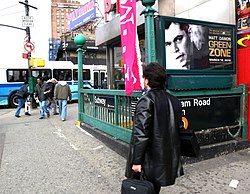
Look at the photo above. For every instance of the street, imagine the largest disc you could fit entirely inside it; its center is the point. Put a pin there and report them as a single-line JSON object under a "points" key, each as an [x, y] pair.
{"points": [[51, 156]]}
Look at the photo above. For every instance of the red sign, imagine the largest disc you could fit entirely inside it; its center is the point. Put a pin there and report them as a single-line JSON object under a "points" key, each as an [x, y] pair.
{"points": [[29, 47], [25, 55]]}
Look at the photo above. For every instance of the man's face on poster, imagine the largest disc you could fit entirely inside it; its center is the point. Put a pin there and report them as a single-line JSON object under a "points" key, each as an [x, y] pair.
{"points": [[177, 44]]}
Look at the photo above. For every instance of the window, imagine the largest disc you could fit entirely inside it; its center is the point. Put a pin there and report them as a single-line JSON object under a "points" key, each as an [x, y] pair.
{"points": [[65, 74], [103, 75], [44, 73], [96, 79], [16, 75], [85, 74]]}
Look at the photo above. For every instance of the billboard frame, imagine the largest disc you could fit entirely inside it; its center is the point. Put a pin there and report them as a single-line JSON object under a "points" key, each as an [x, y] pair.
{"points": [[160, 43]]}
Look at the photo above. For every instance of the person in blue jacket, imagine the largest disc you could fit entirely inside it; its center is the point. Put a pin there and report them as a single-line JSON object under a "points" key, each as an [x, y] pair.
{"points": [[22, 95]]}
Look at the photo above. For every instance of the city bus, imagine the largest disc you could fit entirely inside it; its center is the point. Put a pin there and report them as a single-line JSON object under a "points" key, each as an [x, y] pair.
{"points": [[13, 76]]}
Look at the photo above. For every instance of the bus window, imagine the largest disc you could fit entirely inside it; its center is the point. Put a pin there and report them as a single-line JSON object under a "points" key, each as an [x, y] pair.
{"points": [[103, 75], [96, 79], [65, 74], [45, 74], [85, 74], [17, 75]]}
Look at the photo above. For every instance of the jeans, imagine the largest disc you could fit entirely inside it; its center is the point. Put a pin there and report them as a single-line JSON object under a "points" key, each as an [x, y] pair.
{"points": [[62, 109], [43, 108], [21, 102], [53, 104]]}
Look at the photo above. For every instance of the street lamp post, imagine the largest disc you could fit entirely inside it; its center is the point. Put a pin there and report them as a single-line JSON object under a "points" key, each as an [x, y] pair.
{"points": [[80, 41], [149, 30]]}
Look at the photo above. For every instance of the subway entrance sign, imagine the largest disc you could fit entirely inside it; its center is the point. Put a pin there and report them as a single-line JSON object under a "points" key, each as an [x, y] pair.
{"points": [[205, 112]]}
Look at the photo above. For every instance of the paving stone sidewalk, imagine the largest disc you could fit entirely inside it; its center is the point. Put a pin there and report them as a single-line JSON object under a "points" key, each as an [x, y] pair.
{"points": [[51, 156]]}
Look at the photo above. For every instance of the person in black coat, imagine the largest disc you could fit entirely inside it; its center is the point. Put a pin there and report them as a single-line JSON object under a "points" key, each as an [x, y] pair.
{"points": [[155, 144], [42, 91]]}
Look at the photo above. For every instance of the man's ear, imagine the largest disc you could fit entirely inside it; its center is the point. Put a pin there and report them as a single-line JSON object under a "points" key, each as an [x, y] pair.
{"points": [[146, 82]]}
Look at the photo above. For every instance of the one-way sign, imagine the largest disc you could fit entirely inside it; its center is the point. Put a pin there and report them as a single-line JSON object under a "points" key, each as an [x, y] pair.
{"points": [[27, 21]]}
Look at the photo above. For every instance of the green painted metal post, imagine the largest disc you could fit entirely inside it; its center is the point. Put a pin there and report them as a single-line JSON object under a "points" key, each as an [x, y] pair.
{"points": [[244, 112], [149, 30], [80, 41]]}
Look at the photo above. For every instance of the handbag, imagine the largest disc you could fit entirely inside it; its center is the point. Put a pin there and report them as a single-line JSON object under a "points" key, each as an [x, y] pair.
{"points": [[188, 140], [137, 186], [20, 94]]}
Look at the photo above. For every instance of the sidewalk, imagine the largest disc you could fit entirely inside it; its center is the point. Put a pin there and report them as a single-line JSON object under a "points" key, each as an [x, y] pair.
{"points": [[213, 176], [51, 156]]}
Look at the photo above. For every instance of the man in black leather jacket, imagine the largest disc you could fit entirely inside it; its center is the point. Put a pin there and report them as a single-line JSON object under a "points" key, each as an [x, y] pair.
{"points": [[155, 143]]}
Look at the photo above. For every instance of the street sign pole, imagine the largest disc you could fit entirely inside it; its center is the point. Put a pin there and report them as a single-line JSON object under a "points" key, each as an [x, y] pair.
{"points": [[31, 81]]}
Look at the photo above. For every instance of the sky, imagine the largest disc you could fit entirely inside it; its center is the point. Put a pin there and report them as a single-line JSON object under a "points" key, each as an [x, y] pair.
{"points": [[12, 40]]}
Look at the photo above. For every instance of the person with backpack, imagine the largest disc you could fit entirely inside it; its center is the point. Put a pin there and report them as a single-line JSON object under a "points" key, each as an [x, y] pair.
{"points": [[22, 95], [62, 93]]}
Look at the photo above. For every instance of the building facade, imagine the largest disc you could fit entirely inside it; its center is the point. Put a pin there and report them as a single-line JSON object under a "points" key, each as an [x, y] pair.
{"points": [[59, 10], [62, 46]]}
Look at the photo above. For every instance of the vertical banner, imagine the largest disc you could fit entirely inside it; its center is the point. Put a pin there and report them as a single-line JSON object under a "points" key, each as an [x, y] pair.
{"points": [[128, 40]]}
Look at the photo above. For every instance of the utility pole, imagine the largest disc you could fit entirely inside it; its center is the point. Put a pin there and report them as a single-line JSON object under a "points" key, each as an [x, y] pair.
{"points": [[64, 45], [31, 81]]}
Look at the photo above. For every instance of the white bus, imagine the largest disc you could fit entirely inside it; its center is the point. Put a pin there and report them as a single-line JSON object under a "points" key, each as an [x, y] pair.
{"points": [[12, 77]]}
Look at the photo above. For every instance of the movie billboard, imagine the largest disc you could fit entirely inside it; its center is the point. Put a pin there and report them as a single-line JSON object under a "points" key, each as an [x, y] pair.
{"points": [[196, 45]]}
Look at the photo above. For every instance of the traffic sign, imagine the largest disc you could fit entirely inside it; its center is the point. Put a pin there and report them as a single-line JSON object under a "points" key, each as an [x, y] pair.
{"points": [[26, 39], [27, 21], [29, 46], [25, 55]]}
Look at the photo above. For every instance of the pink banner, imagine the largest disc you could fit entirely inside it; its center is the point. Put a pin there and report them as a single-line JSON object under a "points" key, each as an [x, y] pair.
{"points": [[128, 39]]}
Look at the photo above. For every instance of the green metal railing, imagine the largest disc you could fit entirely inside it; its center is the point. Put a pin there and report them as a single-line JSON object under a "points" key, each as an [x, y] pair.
{"points": [[111, 111]]}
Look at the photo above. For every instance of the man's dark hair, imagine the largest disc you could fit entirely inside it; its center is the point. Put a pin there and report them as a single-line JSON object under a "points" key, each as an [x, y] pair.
{"points": [[26, 82], [183, 26], [39, 77], [156, 75]]}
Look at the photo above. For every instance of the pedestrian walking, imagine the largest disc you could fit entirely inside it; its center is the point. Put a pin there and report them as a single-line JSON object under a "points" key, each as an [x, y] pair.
{"points": [[155, 144], [52, 101], [62, 94], [22, 95], [42, 92]]}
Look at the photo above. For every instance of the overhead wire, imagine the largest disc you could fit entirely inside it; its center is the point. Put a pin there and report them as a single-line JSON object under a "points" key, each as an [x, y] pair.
{"points": [[9, 7], [11, 13]]}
